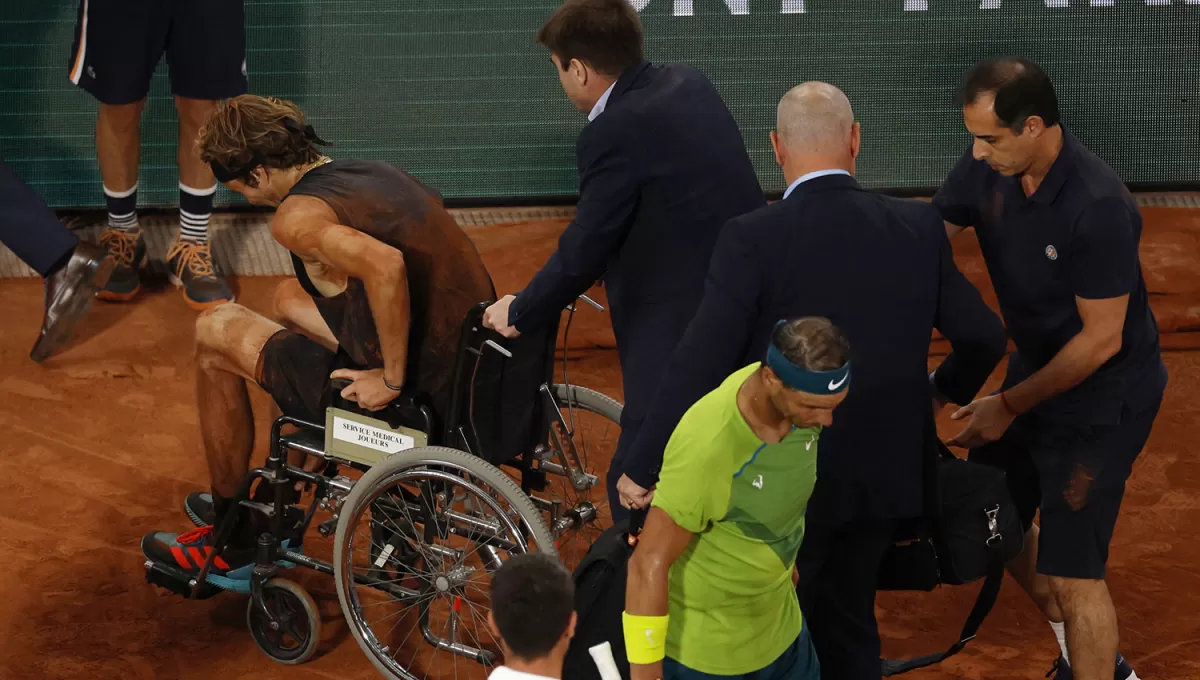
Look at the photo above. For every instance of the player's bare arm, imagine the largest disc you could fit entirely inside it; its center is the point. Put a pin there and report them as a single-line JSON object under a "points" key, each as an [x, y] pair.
{"points": [[661, 542], [308, 227]]}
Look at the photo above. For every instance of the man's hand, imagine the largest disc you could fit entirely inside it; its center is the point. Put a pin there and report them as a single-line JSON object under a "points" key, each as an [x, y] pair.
{"points": [[633, 496], [368, 388], [649, 671], [990, 419], [495, 317]]}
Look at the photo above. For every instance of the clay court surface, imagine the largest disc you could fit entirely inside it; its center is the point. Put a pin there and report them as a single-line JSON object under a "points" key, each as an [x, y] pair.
{"points": [[101, 445]]}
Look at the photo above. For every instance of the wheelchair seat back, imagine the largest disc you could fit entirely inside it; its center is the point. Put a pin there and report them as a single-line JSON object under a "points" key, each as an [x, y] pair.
{"points": [[495, 410]]}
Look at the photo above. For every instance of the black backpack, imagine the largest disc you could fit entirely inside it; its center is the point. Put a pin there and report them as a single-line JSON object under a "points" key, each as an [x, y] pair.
{"points": [[970, 530], [600, 599]]}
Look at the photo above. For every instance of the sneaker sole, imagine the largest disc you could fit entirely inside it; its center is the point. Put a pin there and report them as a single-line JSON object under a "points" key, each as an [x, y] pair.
{"points": [[238, 580], [96, 279], [197, 305], [112, 296]]}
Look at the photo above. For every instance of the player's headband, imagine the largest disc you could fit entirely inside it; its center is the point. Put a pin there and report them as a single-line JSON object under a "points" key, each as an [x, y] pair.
{"points": [[804, 380], [226, 174]]}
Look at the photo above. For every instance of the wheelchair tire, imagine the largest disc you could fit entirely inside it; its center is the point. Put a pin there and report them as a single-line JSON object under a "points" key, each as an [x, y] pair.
{"points": [[381, 475], [589, 400], [289, 599]]}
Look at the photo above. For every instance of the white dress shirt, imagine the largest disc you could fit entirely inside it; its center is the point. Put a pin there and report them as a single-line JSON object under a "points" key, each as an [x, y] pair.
{"points": [[601, 103], [813, 175]]}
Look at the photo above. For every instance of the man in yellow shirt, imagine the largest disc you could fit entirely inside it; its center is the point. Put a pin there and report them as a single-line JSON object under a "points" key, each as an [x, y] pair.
{"points": [[710, 590]]}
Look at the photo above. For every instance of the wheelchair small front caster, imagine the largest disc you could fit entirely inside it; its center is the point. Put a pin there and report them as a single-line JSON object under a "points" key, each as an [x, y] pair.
{"points": [[290, 628]]}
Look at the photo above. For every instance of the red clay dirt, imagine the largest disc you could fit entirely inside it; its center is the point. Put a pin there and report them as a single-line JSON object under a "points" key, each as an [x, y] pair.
{"points": [[101, 446]]}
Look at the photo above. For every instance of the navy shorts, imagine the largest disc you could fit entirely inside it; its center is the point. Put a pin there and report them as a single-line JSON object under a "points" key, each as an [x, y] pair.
{"points": [[118, 44], [799, 662], [1075, 474]]}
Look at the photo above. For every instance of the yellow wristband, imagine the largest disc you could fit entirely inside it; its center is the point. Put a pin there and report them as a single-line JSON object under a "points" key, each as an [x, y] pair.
{"points": [[645, 638]]}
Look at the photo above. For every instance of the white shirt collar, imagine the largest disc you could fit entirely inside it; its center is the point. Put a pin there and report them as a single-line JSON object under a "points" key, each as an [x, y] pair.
{"points": [[813, 175], [506, 673], [601, 103]]}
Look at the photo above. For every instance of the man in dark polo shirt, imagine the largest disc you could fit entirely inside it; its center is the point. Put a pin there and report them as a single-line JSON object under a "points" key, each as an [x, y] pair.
{"points": [[1059, 233]]}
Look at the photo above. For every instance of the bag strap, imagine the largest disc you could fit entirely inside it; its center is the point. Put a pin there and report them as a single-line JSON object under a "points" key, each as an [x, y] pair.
{"points": [[983, 604]]}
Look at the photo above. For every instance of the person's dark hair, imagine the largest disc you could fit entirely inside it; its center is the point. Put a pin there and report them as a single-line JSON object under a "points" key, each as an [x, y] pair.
{"points": [[1022, 89], [604, 34], [250, 130], [533, 598], [812, 343]]}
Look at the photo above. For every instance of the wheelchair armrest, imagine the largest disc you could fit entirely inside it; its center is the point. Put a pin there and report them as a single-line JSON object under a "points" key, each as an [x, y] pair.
{"points": [[410, 409]]}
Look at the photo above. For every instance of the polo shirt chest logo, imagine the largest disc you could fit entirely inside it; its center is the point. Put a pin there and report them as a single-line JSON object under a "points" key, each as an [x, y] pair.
{"points": [[1051, 253]]}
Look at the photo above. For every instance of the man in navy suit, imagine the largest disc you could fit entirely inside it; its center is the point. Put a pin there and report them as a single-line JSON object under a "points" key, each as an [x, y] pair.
{"points": [[73, 271], [882, 270], [662, 166]]}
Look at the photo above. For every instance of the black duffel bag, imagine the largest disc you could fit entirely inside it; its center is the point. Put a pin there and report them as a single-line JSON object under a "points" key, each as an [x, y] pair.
{"points": [[600, 599], [971, 529]]}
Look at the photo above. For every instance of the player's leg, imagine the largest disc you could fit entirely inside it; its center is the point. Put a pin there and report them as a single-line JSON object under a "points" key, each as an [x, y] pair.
{"points": [[1083, 474], [117, 46], [207, 59], [296, 309], [234, 346]]}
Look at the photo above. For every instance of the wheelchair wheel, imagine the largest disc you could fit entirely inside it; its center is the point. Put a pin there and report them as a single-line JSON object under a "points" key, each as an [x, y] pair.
{"points": [[418, 604], [292, 631], [591, 422]]}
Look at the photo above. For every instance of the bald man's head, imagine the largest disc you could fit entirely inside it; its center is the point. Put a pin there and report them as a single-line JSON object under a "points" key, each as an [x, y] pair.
{"points": [[815, 118]]}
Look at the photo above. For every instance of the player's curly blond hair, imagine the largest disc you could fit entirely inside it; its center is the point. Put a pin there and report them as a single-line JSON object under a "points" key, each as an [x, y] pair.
{"points": [[248, 131]]}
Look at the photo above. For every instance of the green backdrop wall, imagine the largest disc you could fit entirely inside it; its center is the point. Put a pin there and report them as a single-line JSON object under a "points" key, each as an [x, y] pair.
{"points": [[457, 92]]}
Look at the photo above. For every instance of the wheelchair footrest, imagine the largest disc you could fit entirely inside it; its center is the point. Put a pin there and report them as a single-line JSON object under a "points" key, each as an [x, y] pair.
{"points": [[176, 580]]}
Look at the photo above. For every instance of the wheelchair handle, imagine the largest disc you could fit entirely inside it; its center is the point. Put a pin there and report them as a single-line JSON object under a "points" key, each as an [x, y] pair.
{"points": [[496, 346], [592, 302]]}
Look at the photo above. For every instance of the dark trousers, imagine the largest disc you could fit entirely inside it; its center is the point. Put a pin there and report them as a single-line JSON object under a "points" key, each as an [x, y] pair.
{"points": [[629, 430], [30, 228], [839, 571]]}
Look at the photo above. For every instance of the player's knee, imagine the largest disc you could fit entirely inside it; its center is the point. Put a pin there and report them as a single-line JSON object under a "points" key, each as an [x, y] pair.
{"points": [[194, 112], [1069, 591], [215, 328], [121, 118]]}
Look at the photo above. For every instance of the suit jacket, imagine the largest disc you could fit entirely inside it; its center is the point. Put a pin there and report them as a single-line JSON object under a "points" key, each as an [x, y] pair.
{"points": [[882, 270], [661, 170]]}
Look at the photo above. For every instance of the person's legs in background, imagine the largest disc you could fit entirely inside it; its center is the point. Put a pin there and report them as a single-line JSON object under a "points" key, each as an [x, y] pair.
{"points": [[118, 150], [839, 572], [207, 64], [1013, 454], [73, 271]]}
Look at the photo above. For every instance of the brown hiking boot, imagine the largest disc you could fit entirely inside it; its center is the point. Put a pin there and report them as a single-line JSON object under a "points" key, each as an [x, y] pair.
{"points": [[193, 269]]}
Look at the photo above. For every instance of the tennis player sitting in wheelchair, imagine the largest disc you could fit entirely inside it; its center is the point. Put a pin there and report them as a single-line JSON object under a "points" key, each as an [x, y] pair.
{"points": [[383, 372]]}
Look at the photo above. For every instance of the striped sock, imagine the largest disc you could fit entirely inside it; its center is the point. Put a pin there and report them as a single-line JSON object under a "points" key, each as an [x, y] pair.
{"points": [[122, 208], [195, 207]]}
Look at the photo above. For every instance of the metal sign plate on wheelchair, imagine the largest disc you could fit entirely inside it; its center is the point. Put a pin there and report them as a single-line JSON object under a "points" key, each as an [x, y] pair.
{"points": [[361, 439]]}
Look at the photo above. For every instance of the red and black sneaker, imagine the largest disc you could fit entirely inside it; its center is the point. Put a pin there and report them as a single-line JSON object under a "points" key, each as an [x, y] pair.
{"points": [[231, 569]]}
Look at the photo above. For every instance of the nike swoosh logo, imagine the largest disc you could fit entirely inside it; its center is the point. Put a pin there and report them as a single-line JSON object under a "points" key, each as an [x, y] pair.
{"points": [[833, 386]]}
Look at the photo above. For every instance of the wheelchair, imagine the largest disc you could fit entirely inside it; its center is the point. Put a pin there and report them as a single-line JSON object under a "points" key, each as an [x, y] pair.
{"points": [[440, 500]]}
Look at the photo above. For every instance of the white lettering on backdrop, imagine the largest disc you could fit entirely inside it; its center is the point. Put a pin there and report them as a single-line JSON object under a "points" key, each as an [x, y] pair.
{"points": [[686, 8]]}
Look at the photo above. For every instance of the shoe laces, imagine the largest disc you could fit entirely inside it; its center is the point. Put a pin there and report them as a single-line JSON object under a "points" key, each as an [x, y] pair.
{"points": [[195, 257], [121, 245], [195, 535]]}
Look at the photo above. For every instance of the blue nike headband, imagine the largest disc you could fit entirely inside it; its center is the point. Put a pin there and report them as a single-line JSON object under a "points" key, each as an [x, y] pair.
{"points": [[804, 380]]}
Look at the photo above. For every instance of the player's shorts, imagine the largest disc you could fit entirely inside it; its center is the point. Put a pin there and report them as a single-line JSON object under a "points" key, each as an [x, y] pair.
{"points": [[1076, 475], [118, 44], [294, 370]]}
